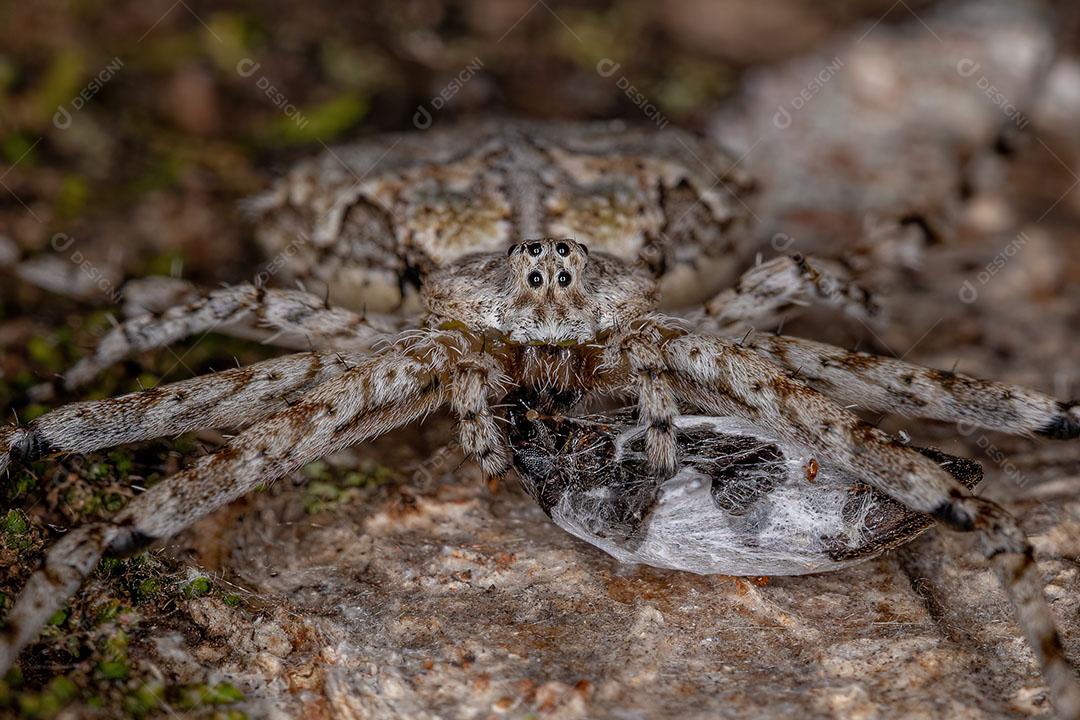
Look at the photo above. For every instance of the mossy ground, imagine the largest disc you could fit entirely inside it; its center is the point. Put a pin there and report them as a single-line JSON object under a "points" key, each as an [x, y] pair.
{"points": [[90, 654]]}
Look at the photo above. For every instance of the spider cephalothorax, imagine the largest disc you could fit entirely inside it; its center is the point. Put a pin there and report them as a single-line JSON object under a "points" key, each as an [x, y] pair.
{"points": [[543, 292], [545, 326]]}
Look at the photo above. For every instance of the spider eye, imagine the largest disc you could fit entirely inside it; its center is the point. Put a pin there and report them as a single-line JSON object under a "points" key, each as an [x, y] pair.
{"points": [[563, 249], [536, 279], [564, 278], [510, 250], [535, 249]]}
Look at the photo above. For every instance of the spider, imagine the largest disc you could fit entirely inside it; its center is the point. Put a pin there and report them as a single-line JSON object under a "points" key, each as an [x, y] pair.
{"points": [[549, 325]]}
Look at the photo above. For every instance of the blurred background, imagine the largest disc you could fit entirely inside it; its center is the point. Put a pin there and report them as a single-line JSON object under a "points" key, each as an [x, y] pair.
{"points": [[941, 139], [142, 124]]}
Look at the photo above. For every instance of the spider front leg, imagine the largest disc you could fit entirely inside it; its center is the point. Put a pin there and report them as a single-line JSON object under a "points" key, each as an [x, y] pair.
{"points": [[770, 292], [228, 399], [657, 405], [290, 318], [724, 378], [475, 381], [393, 389], [882, 384]]}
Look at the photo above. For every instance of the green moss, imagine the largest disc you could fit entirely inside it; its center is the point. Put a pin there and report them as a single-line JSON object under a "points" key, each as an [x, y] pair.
{"points": [[9, 72], [163, 264], [321, 122], [59, 617], [62, 688], [14, 677], [230, 40], [232, 600], [144, 699], [15, 527], [33, 411], [114, 663], [331, 488], [599, 35], [317, 470], [109, 611], [113, 502], [198, 587], [221, 694], [157, 174], [376, 474], [348, 65], [147, 589], [62, 81], [690, 84], [142, 579], [72, 196], [116, 645], [319, 496], [22, 484], [145, 381], [44, 351], [110, 565], [24, 379], [121, 461], [113, 669], [229, 715], [15, 146], [18, 485], [50, 701], [15, 523]]}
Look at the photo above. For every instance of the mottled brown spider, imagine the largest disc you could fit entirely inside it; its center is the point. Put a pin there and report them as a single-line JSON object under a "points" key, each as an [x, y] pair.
{"points": [[550, 322]]}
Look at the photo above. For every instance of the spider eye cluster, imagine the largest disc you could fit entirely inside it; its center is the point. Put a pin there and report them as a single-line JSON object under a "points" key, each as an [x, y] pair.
{"points": [[548, 262]]}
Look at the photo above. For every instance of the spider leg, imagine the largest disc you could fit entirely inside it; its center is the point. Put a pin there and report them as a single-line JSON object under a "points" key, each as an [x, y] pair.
{"points": [[232, 398], [291, 318], [720, 376], [657, 405], [384, 392], [156, 295], [475, 381], [882, 384], [770, 292]]}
